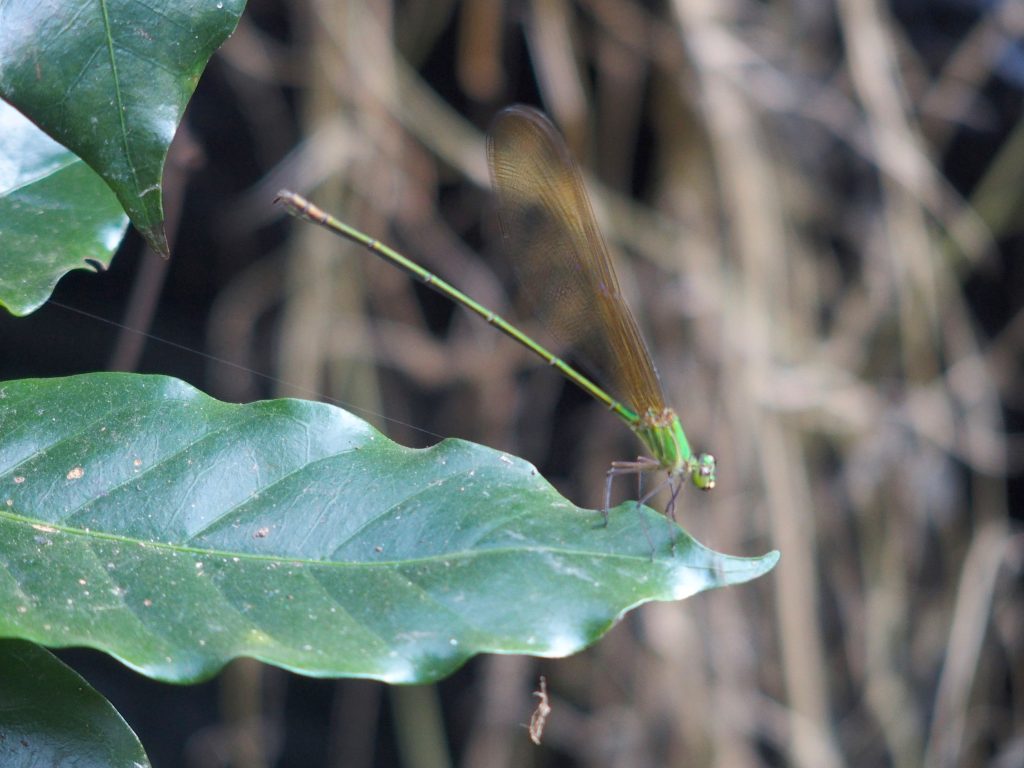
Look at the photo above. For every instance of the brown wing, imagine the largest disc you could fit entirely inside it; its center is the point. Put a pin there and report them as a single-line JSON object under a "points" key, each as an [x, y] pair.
{"points": [[560, 257]]}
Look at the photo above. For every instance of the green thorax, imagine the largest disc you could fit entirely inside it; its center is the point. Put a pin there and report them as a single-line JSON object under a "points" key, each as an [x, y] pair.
{"points": [[663, 435]]}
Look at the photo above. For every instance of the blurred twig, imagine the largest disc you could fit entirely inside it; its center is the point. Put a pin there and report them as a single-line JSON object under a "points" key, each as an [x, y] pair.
{"points": [[786, 179]]}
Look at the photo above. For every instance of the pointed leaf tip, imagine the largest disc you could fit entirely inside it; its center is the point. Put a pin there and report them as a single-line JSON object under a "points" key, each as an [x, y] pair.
{"points": [[176, 532]]}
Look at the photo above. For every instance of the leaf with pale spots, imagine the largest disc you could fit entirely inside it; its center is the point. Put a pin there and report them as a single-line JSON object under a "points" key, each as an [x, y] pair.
{"points": [[176, 532]]}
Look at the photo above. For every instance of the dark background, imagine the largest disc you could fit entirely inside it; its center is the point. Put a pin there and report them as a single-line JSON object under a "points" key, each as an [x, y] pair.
{"points": [[816, 210]]}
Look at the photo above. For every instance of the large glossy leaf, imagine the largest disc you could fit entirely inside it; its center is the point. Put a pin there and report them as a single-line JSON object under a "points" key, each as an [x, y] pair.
{"points": [[56, 214], [110, 81], [49, 716], [174, 531]]}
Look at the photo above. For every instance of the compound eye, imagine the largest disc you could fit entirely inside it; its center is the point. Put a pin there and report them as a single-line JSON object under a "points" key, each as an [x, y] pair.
{"points": [[703, 473]]}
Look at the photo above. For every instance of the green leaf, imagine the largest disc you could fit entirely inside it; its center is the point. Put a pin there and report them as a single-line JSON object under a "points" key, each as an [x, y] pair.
{"points": [[56, 214], [110, 81], [51, 716], [175, 532]]}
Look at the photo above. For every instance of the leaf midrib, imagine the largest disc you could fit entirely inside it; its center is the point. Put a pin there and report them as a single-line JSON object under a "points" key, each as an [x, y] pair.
{"points": [[121, 110], [46, 527]]}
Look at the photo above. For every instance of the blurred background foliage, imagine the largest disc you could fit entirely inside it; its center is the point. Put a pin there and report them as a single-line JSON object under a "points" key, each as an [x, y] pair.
{"points": [[817, 213]]}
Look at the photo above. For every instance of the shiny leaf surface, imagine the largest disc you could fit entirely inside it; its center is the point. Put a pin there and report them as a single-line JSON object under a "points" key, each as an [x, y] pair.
{"points": [[110, 82], [56, 214], [49, 716], [176, 532]]}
